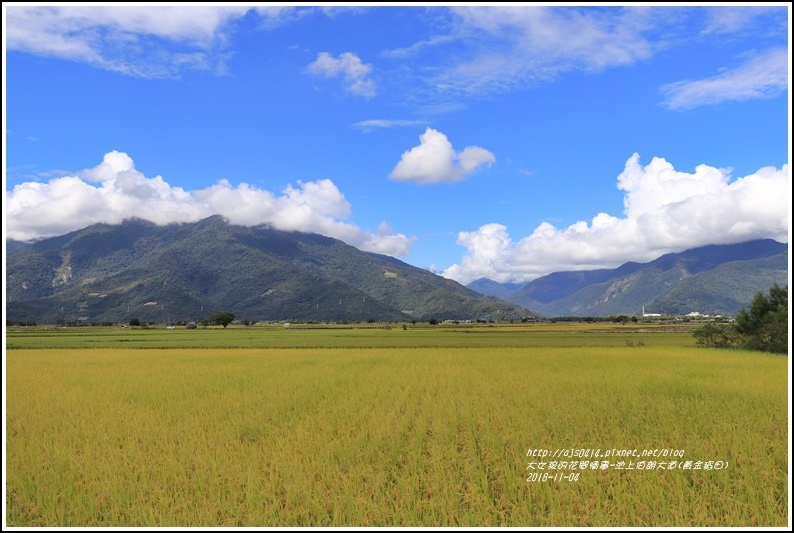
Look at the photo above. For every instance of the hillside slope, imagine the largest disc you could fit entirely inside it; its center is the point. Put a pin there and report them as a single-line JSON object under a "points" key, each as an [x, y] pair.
{"points": [[186, 271], [715, 279]]}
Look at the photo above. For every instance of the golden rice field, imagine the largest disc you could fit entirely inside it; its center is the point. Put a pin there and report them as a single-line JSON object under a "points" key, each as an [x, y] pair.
{"points": [[270, 426]]}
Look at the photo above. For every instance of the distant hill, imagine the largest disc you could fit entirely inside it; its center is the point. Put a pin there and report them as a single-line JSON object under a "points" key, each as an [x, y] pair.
{"points": [[493, 288], [12, 245], [715, 279], [111, 273]]}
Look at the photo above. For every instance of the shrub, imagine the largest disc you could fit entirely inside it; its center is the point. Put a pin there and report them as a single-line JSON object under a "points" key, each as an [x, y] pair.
{"points": [[714, 335]]}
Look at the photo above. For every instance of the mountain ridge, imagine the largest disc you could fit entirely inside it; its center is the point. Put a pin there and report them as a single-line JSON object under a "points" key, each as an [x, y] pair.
{"points": [[712, 279], [108, 273]]}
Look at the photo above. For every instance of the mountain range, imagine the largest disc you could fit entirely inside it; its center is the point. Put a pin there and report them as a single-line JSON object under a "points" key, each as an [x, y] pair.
{"points": [[185, 272], [713, 280]]}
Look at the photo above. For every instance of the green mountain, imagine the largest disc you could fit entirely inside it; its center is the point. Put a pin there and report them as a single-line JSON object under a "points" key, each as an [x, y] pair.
{"points": [[12, 245], [726, 288], [716, 279], [111, 273]]}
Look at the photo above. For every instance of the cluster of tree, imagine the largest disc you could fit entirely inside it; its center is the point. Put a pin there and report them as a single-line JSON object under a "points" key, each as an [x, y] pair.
{"points": [[134, 322], [221, 318], [762, 327]]}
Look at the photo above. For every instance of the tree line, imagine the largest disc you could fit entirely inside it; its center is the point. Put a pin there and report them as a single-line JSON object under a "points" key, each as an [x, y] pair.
{"points": [[221, 318], [762, 327]]}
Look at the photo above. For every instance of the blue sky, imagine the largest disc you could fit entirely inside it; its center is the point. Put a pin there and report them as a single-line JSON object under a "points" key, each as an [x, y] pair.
{"points": [[505, 142]]}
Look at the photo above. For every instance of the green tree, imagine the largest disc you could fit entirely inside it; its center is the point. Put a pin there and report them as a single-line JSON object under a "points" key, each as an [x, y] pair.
{"points": [[716, 335], [224, 318], [135, 322], [765, 324]]}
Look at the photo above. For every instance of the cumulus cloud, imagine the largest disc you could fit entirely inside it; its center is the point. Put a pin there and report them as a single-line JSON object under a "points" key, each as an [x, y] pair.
{"points": [[114, 190], [665, 211], [764, 76], [435, 161], [350, 67]]}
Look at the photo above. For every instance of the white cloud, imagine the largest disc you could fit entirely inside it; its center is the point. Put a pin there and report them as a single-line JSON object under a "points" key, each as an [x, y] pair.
{"points": [[114, 190], [274, 16], [142, 41], [764, 76], [368, 125], [665, 211], [503, 48], [349, 65], [520, 46], [412, 50], [755, 19], [435, 161]]}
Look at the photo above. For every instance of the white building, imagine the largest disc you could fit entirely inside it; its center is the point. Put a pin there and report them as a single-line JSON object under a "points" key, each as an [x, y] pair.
{"points": [[649, 314]]}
